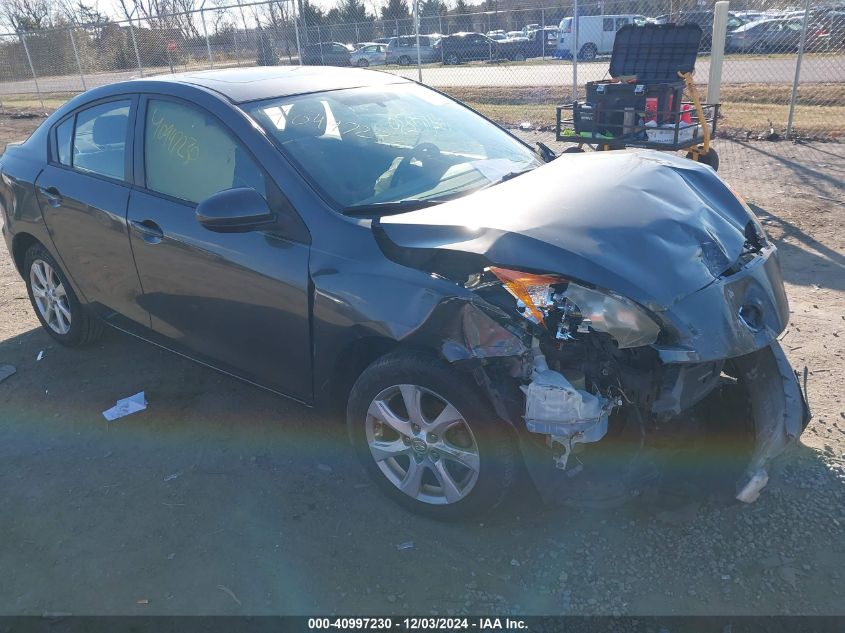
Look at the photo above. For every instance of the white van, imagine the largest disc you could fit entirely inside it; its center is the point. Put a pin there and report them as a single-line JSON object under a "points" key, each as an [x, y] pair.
{"points": [[596, 34]]}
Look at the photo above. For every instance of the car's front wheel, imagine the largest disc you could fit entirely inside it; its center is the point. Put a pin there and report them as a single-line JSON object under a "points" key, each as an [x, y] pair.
{"points": [[428, 438], [55, 303]]}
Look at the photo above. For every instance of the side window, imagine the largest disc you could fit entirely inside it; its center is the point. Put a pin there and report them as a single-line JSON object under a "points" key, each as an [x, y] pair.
{"points": [[190, 156], [99, 142], [607, 24], [64, 132], [620, 22]]}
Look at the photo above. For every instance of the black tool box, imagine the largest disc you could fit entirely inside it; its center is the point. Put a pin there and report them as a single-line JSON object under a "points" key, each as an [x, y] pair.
{"points": [[645, 87]]}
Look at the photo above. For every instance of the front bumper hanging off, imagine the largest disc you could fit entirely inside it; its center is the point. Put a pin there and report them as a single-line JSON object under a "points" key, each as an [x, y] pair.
{"points": [[779, 410]]}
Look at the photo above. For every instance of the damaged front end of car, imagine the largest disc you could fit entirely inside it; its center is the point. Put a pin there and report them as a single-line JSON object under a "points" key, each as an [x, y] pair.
{"points": [[571, 363]]}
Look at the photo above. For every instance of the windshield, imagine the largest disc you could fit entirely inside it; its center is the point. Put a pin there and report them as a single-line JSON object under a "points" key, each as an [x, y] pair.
{"points": [[379, 145]]}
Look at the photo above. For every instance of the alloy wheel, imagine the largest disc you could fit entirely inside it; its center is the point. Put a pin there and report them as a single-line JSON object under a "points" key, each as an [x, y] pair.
{"points": [[50, 296], [422, 444]]}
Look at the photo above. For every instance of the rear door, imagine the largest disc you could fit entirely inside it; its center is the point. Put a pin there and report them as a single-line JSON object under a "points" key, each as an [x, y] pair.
{"points": [[237, 300], [83, 194]]}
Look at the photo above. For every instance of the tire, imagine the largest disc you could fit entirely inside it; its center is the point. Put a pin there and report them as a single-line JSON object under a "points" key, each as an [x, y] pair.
{"points": [[452, 59], [427, 465], [519, 57], [404, 60], [55, 303], [711, 158], [588, 52], [363, 63]]}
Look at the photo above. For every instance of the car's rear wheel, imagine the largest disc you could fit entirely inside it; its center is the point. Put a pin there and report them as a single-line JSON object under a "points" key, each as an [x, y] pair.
{"points": [[404, 60], [54, 301], [588, 52], [428, 438], [363, 63], [452, 59]]}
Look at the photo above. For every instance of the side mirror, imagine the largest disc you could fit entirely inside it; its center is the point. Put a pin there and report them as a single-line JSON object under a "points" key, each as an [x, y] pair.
{"points": [[234, 211]]}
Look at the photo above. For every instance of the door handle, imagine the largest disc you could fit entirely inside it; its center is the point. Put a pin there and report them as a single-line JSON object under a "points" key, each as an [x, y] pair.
{"points": [[149, 231], [54, 198]]}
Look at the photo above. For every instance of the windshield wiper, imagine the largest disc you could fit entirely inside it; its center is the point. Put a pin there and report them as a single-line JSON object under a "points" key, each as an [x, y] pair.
{"points": [[546, 152], [388, 208], [509, 176]]}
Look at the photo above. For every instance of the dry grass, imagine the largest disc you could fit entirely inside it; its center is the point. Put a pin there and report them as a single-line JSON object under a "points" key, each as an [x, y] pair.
{"points": [[820, 108]]}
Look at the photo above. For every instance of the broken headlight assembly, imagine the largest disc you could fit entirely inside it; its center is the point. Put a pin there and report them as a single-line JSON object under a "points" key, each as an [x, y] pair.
{"points": [[565, 308]]}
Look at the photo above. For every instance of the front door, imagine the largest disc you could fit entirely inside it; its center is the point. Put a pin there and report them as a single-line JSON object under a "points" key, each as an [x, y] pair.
{"points": [[239, 300], [83, 194]]}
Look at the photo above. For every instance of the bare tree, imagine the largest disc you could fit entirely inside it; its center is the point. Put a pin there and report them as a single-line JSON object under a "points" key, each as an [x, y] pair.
{"points": [[26, 15], [185, 17], [80, 12]]}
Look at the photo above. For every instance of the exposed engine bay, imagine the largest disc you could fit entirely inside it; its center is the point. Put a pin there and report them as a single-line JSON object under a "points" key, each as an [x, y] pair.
{"points": [[585, 317], [590, 356]]}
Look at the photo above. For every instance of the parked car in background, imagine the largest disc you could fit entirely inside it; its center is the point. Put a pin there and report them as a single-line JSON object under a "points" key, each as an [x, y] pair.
{"points": [[704, 19], [369, 54], [517, 35], [497, 34], [467, 47], [403, 50], [765, 36], [596, 34], [542, 42], [827, 32], [326, 54]]}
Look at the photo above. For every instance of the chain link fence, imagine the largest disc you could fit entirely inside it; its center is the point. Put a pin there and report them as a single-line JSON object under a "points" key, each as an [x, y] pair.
{"points": [[513, 64]]}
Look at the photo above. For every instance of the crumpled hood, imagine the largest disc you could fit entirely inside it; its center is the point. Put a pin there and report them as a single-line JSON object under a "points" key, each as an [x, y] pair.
{"points": [[647, 225]]}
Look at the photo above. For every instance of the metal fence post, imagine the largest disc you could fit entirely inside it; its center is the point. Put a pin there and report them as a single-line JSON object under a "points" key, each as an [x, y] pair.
{"points": [[135, 46], [76, 55], [22, 35], [543, 30], [205, 32], [320, 40], [801, 44], [296, 31], [416, 7], [573, 50], [237, 49]]}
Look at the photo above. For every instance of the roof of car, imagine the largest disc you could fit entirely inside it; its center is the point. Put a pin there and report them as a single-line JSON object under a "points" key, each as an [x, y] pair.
{"points": [[264, 82]]}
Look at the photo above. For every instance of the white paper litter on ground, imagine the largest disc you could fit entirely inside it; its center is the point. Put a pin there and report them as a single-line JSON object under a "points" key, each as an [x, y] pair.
{"points": [[40, 355], [126, 406]]}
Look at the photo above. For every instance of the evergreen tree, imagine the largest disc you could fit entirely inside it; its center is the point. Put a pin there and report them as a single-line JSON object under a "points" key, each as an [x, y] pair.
{"points": [[462, 21], [395, 10]]}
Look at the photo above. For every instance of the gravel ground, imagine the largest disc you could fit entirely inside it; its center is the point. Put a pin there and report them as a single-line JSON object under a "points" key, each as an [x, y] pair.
{"points": [[223, 499]]}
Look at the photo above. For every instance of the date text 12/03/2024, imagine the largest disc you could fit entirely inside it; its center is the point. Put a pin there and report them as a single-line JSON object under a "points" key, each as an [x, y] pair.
{"points": [[418, 624]]}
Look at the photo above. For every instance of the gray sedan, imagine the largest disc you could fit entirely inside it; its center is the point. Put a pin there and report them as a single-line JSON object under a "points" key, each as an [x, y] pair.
{"points": [[369, 54]]}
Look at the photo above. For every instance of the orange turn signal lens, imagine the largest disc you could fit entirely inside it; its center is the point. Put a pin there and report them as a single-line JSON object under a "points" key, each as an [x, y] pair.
{"points": [[533, 290]]}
